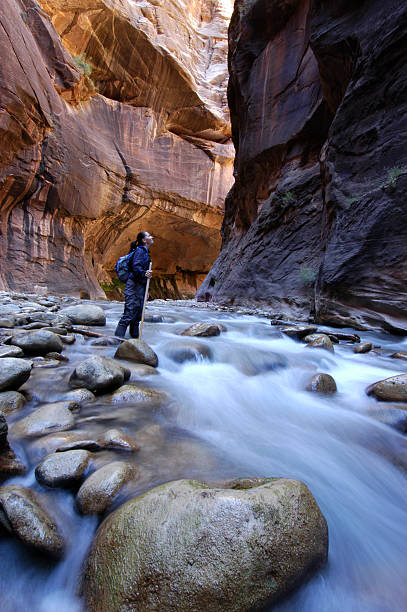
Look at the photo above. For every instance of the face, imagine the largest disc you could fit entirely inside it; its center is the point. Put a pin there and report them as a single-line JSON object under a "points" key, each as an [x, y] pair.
{"points": [[148, 240]]}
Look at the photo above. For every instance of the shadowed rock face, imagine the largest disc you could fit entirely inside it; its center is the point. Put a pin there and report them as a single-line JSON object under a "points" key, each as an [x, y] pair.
{"points": [[314, 224], [114, 119]]}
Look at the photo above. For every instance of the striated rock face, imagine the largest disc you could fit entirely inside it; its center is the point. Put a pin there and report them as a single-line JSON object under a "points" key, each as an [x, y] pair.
{"points": [[113, 119], [315, 222]]}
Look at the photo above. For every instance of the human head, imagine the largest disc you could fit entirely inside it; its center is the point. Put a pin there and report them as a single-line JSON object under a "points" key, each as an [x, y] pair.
{"points": [[143, 239]]}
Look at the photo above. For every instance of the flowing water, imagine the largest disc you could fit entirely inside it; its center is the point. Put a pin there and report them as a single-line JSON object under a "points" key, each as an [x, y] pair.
{"points": [[243, 412]]}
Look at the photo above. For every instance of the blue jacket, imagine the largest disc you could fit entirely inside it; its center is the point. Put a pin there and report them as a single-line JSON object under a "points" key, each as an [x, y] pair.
{"points": [[139, 265]]}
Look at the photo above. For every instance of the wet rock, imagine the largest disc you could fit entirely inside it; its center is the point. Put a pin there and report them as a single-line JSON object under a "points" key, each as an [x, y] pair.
{"points": [[138, 351], [98, 490], [34, 325], [142, 370], [210, 543], [11, 351], [312, 337], [254, 362], [79, 395], [37, 342], [106, 341], [153, 318], [203, 330], [7, 321], [62, 469], [79, 442], [392, 389], [322, 342], [11, 401], [187, 351], [11, 464], [99, 374], [344, 336], [139, 395], [68, 339], [85, 314], [49, 418], [41, 362], [118, 439], [13, 373], [322, 383], [3, 433], [399, 355], [23, 515], [55, 320], [364, 347], [60, 331], [299, 331], [394, 415]]}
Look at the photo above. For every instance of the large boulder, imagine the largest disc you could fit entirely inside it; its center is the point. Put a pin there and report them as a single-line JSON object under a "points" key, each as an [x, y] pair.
{"points": [[85, 314], [23, 515], [185, 546], [392, 389], [99, 374], [138, 351], [37, 342], [13, 373], [98, 490], [45, 420]]}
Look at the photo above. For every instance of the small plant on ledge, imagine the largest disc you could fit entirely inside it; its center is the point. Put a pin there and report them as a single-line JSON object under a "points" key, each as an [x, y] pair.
{"points": [[82, 64]]}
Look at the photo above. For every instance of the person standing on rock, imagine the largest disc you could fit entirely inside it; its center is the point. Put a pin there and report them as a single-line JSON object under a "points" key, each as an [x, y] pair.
{"points": [[136, 285]]}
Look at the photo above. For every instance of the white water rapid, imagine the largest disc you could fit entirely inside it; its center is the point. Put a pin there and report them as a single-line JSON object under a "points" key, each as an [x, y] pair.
{"points": [[232, 416]]}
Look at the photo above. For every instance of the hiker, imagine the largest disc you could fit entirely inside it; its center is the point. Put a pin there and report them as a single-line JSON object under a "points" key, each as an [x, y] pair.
{"points": [[135, 285]]}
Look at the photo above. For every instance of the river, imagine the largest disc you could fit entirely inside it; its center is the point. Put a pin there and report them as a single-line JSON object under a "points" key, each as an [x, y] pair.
{"points": [[231, 416]]}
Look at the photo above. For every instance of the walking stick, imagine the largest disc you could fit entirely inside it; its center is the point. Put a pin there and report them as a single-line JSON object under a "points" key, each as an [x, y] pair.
{"points": [[144, 305]]}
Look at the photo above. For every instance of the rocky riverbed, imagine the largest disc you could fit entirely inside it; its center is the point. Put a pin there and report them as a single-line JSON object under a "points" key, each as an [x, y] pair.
{"points": [[229, 410]]}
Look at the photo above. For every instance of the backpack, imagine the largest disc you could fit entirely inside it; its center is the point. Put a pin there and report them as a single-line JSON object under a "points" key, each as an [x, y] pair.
{"points": [[122, 267]]}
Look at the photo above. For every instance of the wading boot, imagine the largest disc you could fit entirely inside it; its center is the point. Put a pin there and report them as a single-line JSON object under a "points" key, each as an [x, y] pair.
{"points": [[134, 329], [120, 330]]}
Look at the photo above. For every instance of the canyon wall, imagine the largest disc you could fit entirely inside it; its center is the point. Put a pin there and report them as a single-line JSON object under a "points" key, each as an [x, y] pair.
{"points": [[315, 224], [113, 119]]}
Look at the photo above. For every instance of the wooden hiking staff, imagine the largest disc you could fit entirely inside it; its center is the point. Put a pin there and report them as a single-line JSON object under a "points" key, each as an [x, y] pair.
{"points": [[144, 304]]}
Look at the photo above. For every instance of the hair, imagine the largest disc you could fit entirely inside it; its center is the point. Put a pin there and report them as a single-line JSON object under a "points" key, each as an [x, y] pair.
{"points": [[138, 241]]}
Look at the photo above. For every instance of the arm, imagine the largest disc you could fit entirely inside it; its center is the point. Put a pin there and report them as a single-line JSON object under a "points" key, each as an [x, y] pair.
{"points": [[139, 264]]}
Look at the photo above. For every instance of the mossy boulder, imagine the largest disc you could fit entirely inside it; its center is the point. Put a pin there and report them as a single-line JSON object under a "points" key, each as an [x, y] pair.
{"points": [[185, 546]]}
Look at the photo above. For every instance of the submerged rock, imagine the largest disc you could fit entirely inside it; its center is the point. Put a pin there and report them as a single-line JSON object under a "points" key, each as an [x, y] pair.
{"points": [[187, 351], [98, 490], [185, 546], [22, 514], [203, 330], [392, 389], [322, 383], [138, 351], [62, 469], [139, 395], [13, 373], [399, 355], [45, 420], [85, 314], [99, 374]]}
